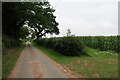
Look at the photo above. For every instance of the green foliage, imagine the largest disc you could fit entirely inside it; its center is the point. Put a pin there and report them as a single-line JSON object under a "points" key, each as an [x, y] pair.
{"points": [[10, 42], [13, 21], [69, 46], [24, 32], [38, 15], [101, 42], [118, 42]]}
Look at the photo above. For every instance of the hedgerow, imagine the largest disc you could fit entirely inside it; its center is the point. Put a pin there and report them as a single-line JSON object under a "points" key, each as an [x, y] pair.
{"points": [[69, 46], [8, 42]]}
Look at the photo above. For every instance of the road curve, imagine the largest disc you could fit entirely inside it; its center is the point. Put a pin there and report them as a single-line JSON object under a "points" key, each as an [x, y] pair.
{"points": [[33, 64]]}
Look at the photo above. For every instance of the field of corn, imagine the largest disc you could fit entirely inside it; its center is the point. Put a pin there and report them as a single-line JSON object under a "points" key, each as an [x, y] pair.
{"points": [[102, 42], [75, 46]]}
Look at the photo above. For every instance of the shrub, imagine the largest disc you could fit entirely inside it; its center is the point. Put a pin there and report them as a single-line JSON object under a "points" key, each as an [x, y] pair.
{"points": [[70, 46]]}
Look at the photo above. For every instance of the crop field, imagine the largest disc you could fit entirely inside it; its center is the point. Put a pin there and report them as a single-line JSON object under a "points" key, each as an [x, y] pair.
{"points": [[102, 42]]}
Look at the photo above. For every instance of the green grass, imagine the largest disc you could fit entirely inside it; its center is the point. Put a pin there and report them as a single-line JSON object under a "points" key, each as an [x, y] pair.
{"points": [[98, 64], [10, 59]]}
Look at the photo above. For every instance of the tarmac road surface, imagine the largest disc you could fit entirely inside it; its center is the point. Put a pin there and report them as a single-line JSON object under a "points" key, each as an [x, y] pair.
{"points": [[33, 64]]}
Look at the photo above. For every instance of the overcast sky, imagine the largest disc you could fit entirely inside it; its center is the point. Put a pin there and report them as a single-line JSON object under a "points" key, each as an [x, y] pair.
{"points": [[86, 17]]}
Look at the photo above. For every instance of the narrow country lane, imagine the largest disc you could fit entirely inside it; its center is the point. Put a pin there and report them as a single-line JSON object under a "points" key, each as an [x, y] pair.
{"points": [[34, 64]]}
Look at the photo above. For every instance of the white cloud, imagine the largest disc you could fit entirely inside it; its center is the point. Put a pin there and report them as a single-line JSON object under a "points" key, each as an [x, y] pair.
{"points": [[83, 17]]}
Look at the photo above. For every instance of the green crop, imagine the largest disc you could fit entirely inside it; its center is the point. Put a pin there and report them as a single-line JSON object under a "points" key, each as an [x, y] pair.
{"points": [[102, 42]]}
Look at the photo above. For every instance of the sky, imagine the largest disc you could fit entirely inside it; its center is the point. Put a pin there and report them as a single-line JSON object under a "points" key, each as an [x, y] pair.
{"points": [[86, 17]]}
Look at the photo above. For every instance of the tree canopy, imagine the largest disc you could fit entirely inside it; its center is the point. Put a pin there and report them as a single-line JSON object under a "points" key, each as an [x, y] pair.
{"points": [[37, 15], [24, 32]]}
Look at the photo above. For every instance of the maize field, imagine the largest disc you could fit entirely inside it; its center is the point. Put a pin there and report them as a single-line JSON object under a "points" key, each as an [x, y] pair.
{"points": [[102, 42]]}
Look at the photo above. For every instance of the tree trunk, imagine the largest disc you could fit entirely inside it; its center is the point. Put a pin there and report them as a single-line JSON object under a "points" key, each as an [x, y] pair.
{"points": [[37, 35]]}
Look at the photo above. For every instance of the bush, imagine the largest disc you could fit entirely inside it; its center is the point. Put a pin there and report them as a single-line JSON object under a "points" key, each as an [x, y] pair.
{"points": [[69, 46]]}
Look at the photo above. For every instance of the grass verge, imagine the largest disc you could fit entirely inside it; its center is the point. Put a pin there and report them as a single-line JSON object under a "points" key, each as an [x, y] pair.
{"points": [[99, 64], [10, 59]]}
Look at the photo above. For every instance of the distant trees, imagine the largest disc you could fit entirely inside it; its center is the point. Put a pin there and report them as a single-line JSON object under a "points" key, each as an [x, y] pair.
{"points": [[69, 33], [37, 15]]}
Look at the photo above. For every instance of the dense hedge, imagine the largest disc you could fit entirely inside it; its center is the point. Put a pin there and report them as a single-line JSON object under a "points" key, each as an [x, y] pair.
{"points": [[10, 42], [102, 42], [69, 46]]}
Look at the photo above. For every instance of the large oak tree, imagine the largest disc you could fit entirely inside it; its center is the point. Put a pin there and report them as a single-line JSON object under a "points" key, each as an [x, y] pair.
{"points": [[37, 15]]}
